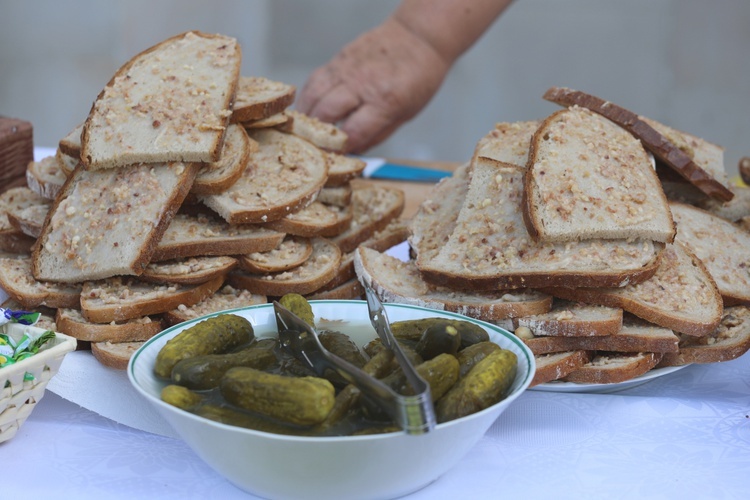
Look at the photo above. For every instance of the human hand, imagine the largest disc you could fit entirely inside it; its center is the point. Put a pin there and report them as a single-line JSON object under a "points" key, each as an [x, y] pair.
{"points": [[375, 84]]}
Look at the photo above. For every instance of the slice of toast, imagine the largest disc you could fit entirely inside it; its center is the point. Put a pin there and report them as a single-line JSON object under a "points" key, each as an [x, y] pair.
{"points": [[108, 222], [316, 271], [316, 219], [259, 98], [681, 296], [508, 142], [660, 146], [217, 177], [489, 247], [573, 319], [588, 178], [374, 208], [283, 176], [16, 279], [557, 365], [729, 341], [612, 368], [342, 169], [223, 299], [171, 102], [115, 354], [71, 143], [290, 253], [326, 136], [188, 271], [123, 298], [723, 247], [203, 234], [45, 177], [396, 281], [349, 290], [279, 121], [71, 322], [338, 196], [29, 220]]}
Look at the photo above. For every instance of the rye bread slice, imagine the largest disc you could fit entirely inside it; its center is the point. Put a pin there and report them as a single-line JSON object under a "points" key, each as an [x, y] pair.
{"points": [[572, 319], [259, 98], [216, 177], [293, 251], [224, 299], [171, 102], [188, 271], [45, 177], [660, 146], [16, 279], [72, 322], [612, 368], [557, 365], [373, 209]]}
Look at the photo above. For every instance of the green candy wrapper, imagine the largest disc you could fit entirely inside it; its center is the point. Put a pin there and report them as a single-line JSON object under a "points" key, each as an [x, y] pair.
{"points": [[12, 351]]}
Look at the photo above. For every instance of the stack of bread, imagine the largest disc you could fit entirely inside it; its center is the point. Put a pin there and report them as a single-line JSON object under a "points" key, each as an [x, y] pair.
{"points": [[606, 241], [188, 189]]}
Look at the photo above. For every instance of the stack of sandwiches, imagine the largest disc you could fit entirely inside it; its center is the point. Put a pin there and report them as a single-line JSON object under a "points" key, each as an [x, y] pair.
{"points": [[188, 189], [600, 237]]}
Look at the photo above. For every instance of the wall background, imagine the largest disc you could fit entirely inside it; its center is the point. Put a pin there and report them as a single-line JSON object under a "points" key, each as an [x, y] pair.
{"points": [[683, 62]]}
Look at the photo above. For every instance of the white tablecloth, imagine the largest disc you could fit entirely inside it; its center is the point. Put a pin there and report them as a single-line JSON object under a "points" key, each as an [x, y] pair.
{"points": [[683, 435]]}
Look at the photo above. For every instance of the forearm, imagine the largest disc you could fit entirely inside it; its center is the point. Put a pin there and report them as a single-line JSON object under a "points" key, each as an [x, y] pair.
{"points": [[449, 26]]}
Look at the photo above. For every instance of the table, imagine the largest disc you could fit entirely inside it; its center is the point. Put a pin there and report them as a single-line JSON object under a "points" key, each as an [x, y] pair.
{"points": [[683, 435]]}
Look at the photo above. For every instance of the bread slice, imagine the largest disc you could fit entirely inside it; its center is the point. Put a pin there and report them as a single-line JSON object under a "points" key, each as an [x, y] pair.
{"points": [[115, 355], [279, 121], [660, 146], [45, 177], [72, 322], [573, 319], [316, 219], [29, 220], [16, 279], [635, 336], [681, 296], [71, 144], [555, 366], [374, 208], [490, 249], [508, 142], [284, 176], [67, 163], [108, 222], [203, 234], [172, 102], [14, 200], [338, 196], [223, 299], [326, 136], [349, 290], [259, 97], [612, 368], [723, 247], [189, 271], [396, 281], [342, 169], [733, 210], [315, 272], [123, 298], [730, 341], [588, 178], [293, 251], [214, 178], [13, 241]]}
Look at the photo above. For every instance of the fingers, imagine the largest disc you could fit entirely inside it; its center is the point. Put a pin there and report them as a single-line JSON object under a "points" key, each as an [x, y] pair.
{"points": [[336, 104], [367, 127], [319, 83]]}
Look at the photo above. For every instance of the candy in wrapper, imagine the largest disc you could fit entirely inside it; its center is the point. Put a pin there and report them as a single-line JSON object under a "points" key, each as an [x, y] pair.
{"points": [[22, 317], [12, 351]]}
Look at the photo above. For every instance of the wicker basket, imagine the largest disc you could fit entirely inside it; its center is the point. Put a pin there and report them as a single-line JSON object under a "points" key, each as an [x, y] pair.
{"points": [[18, 397], [16, 151]]}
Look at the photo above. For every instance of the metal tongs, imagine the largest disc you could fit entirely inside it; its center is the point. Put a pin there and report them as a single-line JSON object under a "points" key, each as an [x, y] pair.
{"points": [[414, 414]]}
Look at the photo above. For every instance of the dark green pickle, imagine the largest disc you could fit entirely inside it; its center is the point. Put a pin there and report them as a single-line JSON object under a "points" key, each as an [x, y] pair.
{"points": [[413, 329], [299, 305], [440, 338], [180, 396], [218, 334], [470, 356], [205, 372]]}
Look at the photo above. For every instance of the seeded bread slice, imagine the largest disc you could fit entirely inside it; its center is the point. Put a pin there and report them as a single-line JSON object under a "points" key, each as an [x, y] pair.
{"points": [[67, 163], [171, 102], [342, 169], [115, 354], [374, 208], [733, 210], [279, 121], [490, 249], [316, 219], [326, 136], [396, 281], [223, 299], [72, 322], [723, 247], [339, 196], [573, 319], [214, 178], [290, 253], [316, 271], [108, 222], [188, 271], [123, 298], [635, 336], [681, 296], [203, 234], [612, 368], [29, 220], [259, 97], [71, 143], [508, 142], [45, 177], [16, 279], [730, 341], [349, 290], [283, 176], [555, 366], [660, 146], [22, 210], [588, 178]]}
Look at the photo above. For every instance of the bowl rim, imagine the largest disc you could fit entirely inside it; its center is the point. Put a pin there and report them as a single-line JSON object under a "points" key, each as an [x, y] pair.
{"points": [[522, 387]]}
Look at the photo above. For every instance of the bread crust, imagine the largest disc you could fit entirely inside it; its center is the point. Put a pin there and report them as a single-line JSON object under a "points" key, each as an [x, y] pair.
{"points": [[114, 354], [68, 322], [248, 106], [655, 142], [555, 366], [626, 367]]}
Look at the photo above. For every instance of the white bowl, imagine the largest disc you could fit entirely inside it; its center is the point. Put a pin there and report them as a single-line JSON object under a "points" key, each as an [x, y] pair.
{"points": [[353, 467]]}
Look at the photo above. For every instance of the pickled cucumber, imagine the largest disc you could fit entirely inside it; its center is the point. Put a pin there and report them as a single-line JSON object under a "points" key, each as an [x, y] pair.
{"points": [[440, 338], [180, 396], [297, 400], [299, 305], [414, 328], [485, 384], [217, 334], [342, 346], [470, 356], [231, 416], [440, 373], [205, 372]]}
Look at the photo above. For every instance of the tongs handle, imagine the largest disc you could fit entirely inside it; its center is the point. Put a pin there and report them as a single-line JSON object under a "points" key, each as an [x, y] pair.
{"points": [[302, 341]]}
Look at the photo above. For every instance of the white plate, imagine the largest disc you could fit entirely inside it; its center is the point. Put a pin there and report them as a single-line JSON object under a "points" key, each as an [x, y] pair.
{"points": [[605, 388]]}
